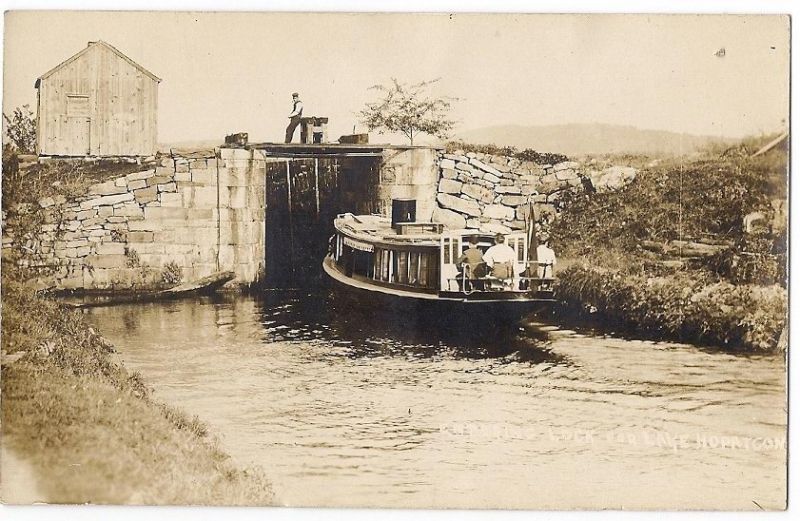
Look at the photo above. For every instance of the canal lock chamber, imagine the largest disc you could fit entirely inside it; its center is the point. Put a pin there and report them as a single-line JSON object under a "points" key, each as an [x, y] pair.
{"points": [[303, 196]]}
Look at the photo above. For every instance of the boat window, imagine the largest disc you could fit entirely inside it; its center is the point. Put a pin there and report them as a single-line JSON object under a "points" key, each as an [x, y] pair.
{"points": [[413, 268], [362, 263], [401, 267], [447, 241], [520, 249], [382, 264], [428, 269]]}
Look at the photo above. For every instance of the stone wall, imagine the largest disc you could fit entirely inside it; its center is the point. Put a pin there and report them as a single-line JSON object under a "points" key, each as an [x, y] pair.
{"points": [[186, 217], [491, 193], [241, 214], [409, 173], [191, 215]]}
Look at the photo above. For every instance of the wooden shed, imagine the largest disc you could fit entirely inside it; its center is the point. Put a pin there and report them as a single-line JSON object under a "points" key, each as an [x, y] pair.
{"points": [[99, 102]]}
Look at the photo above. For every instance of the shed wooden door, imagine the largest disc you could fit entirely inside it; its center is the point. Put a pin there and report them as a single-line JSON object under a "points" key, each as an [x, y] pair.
{"points": [[78, 125]]}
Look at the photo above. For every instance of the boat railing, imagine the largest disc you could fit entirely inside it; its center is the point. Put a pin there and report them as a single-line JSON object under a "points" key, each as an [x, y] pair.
{"points": [[468, 284]]}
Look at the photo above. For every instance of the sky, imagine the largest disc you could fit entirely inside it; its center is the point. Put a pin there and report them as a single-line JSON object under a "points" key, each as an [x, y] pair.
{"points": [[235, 72]]}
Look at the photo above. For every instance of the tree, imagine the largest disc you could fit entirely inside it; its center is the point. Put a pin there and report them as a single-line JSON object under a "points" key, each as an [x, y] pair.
{"points": [[21, 129], [407, 109]]}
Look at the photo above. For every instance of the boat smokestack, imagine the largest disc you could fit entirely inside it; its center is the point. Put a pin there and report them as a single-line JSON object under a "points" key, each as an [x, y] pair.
{"points": [[403, 211]]}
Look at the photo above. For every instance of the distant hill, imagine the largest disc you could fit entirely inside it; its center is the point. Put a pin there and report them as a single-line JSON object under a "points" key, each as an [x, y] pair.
{"points": [[580, 139]]}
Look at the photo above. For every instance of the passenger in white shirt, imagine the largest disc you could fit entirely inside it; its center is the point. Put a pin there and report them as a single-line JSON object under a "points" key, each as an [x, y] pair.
{"points": [[545, 254], [501, 258]]}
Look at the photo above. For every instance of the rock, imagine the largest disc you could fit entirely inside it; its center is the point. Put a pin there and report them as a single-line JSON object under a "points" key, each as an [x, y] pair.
{"points": [[46, 202], [146, 195], [447, 163], [491, 178], [479, 193], [137, 176], [518, 224], [477, 163], [456, 157], [107, 261], [449, 186], [508, 189], [107, 200], [140, 236], [452, 220], [498, 211], [448, 173], [464, 166], [159, 180], [514, 200], [107, 188], [129, 211], [459, 205], [86, 214], [172, 200], [566, 175], [614, 178], [493, 227], [473, 223], [565, 165], [110, 248]]}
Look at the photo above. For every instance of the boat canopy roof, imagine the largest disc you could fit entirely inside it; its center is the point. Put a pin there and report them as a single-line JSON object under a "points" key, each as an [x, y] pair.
{"points": [[377, 228]]}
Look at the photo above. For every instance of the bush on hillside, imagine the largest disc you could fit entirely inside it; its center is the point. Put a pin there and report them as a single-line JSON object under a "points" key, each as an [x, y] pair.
{"points": [[540, 158], [673, 201], [683, 307]]}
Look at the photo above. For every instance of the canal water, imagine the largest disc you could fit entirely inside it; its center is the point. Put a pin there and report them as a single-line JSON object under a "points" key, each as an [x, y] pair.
{"points": [[341, 407]]}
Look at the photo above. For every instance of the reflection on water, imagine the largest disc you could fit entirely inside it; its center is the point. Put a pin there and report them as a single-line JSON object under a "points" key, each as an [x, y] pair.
{"points": [[345, 408]]}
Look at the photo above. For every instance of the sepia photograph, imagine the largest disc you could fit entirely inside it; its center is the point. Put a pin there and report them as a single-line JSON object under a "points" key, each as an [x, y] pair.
{"points": [[506, 261]]}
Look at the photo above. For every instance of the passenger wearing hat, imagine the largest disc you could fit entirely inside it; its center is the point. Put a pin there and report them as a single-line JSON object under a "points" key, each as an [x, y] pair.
{"points": [[501, 258], [294, 117]]}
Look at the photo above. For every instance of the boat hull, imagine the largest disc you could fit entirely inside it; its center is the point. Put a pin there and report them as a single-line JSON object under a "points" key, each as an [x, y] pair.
{"points": [[491, 308]]}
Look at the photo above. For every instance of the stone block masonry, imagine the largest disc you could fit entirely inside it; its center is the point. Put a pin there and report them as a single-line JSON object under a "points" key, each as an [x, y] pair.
{"points": [[492, 193], [123, 232]]}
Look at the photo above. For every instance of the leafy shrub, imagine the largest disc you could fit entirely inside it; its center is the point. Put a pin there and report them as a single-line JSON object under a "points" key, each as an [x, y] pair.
{"points": [[685, 307], [668, 202], [540, 158], [21, 129], [171, 273], [132, 259], [754, 259]]}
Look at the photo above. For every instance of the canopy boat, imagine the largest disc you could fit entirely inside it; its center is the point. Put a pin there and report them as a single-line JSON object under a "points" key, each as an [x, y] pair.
{"points": [[418, 262]]}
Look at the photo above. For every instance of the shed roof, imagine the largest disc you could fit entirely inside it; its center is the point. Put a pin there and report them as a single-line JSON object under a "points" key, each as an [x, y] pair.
{"points": [[89, 46]]}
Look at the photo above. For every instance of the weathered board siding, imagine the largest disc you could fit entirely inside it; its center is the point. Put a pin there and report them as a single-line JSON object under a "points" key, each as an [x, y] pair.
{"points": [[97, 103]]}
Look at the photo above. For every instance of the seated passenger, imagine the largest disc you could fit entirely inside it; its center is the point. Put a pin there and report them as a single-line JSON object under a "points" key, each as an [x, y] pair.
{"points": [[546, 257], [471, 263], [501, 259], [472, 259]]}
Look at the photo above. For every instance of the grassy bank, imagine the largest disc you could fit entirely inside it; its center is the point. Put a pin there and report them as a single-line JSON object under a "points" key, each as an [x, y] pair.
{"points": [[682, 307], [669, 256], [91, 430]]}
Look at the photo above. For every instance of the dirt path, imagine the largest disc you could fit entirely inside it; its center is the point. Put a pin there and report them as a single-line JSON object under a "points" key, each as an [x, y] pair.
{"points": [[18, 484]]}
